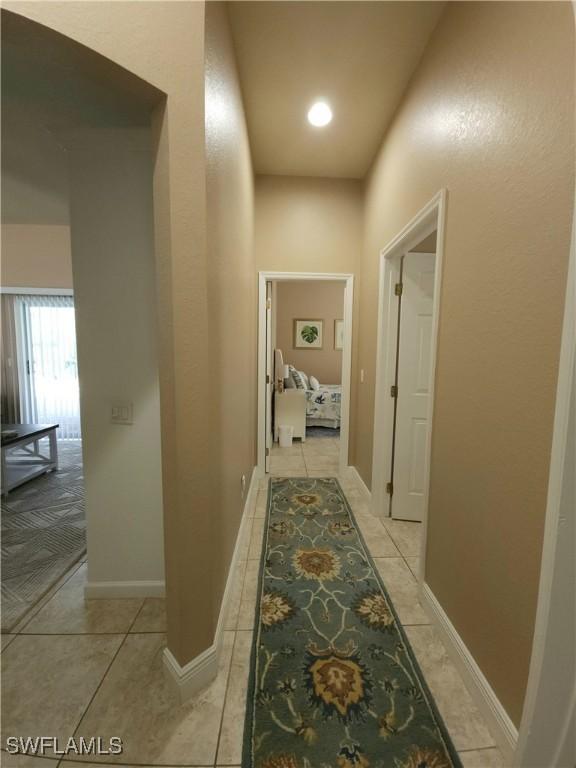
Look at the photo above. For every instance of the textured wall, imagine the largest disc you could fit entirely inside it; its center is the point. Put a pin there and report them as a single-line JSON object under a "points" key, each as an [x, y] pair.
{"points": [[308, 224], [163, 44], [311, 225], [489, 115], [231, 287]]}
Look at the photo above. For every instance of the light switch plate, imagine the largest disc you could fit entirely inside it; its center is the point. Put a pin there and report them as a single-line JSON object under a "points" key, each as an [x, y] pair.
{"points": [[122, 412]]}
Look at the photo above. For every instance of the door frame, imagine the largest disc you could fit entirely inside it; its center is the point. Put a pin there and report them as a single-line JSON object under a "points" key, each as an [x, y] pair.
{"points": [[348, 280], [430, 218]]}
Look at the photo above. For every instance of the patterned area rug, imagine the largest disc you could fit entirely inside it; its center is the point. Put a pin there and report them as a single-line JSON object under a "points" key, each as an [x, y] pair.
{"points": [[43, 533], [333, 681]]}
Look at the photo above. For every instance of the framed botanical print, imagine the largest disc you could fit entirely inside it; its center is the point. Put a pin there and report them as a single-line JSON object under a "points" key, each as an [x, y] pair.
{"points": [[338, 334], [308, 334]]}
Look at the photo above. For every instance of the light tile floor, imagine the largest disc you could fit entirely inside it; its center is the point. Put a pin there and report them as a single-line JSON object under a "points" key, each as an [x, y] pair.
{"points": [[94, 668]]}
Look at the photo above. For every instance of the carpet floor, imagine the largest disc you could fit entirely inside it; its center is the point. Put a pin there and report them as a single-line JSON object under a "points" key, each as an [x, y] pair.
{"points": [[43, 533], [333, 680]]}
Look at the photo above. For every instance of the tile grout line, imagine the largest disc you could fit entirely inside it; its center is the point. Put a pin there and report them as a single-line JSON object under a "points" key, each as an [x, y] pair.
{"points": [[138, 612], [247, 559], [93, 634], [224, 702], [244, 573], [89, 704]]}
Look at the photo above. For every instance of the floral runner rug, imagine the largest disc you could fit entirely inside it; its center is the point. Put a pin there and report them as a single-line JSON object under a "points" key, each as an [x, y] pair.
{"points": [[333, 681]]}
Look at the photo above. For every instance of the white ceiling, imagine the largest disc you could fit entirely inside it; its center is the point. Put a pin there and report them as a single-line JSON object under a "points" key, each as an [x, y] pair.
{"points": [[358, 56]]}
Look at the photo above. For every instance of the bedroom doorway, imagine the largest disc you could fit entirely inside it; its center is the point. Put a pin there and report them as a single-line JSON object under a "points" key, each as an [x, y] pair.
{"points": [[304, 365]]}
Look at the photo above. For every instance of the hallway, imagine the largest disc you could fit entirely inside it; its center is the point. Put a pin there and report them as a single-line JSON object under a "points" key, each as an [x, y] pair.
{"points": [[227, 147], [107, 667]]}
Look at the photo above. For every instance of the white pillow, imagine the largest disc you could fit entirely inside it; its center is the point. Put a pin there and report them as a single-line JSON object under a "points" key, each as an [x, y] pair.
{"points": [[304, 379], [314, 383]]}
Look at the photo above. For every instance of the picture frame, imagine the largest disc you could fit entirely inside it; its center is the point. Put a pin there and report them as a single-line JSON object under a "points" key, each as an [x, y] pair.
{"points": [[308, 334], [339, 334]]}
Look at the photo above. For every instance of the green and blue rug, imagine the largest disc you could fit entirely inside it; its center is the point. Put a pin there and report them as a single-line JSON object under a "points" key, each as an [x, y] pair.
{"points": [[333, 681]]}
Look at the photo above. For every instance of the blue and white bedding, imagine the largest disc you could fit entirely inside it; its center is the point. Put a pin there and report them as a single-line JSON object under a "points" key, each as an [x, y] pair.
{"points": [[324, 403]]}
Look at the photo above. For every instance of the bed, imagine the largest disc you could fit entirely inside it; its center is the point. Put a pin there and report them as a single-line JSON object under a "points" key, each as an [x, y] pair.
{"points": [[323, 406], [303, 402]]}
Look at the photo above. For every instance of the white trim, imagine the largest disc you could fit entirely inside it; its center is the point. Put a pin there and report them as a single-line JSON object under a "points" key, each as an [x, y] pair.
{"points": [[431, 218], [114, 589], [38, 291], [191, 678], [383, 403], [236, 555], [348, 278], [559, 480], [353, 475], [497, 719]]}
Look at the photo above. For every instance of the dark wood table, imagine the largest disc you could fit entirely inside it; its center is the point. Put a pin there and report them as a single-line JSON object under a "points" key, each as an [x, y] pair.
{"points": [[22, 458]]}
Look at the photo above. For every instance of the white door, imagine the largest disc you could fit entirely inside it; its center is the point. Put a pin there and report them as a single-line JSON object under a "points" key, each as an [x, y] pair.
{"points": [[414, 359], [269, 374]]}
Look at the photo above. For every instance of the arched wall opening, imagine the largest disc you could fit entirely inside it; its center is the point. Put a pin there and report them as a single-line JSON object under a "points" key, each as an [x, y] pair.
{"points": [[78, 155]]}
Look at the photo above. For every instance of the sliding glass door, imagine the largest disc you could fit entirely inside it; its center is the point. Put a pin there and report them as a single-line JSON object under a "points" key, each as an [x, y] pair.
{"points": [[47, 362]]}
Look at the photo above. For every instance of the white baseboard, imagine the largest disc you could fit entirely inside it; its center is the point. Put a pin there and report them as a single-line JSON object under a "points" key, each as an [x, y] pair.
{"points": [[191, 678], [113, 589], [353, 474], [501, 726]]}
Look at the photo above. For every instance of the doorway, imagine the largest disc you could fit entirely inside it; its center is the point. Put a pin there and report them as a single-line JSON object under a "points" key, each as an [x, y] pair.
{"points": [[409, 300], [277, 393], [47, 362]]}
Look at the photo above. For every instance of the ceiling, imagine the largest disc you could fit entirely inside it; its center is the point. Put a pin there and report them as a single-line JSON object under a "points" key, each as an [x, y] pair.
{"points": [[358, 56]]}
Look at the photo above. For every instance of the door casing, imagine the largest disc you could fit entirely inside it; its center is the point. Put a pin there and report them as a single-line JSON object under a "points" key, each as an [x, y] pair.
{"points": [[348, 279], [431, 218]]}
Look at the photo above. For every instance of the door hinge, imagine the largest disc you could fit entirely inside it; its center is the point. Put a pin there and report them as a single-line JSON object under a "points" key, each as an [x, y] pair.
{"points": [[398, 289], [268, 303], [393, 391], [389, 488], [267, 451], [267, 379]]}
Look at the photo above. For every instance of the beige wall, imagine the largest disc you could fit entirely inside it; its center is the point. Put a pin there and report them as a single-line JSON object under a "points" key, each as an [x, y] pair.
{"points": [[35, 210], [489, 115], [36, 256], [312, 300], [163, 43], [231, 289], [311, 225], [308, 224]]}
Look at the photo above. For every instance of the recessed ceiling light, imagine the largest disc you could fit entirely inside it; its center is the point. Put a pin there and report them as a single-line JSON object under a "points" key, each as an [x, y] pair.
{"points": [[319, 114]]}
